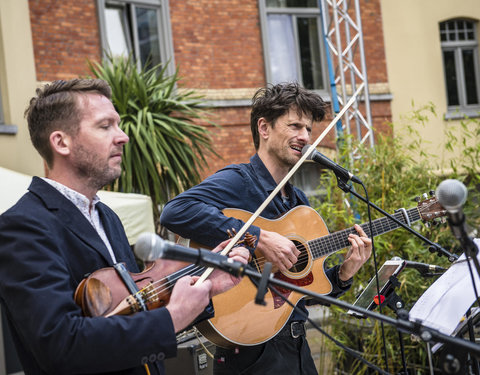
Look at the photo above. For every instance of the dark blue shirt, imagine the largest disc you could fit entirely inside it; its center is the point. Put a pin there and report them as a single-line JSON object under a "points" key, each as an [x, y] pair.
{"points": [[196, 214]]}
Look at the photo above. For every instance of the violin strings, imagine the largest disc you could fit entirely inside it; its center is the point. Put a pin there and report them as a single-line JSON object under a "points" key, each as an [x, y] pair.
{"points": [[167, 282]]}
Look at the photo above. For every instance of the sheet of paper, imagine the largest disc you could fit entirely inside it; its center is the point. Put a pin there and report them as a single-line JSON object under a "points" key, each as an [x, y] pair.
{"points": [[447, 300]]}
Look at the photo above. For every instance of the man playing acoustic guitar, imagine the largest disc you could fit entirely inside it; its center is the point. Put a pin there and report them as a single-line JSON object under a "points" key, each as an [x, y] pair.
{"points": [[282, 118], [59, 232]]}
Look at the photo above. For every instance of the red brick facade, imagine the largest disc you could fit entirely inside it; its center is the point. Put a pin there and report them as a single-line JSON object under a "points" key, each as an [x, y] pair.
{"points": [[65, 34], [217, 45]]}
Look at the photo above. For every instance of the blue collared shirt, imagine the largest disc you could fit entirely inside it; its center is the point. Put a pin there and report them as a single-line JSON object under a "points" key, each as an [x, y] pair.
{"points": [[196, 214]]}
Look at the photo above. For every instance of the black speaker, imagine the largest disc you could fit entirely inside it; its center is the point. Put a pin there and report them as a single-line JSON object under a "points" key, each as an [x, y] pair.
{"points": [[192, 358]]}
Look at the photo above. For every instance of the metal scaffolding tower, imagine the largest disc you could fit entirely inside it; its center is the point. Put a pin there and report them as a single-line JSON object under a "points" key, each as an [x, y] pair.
{"points": [[342, 28]]}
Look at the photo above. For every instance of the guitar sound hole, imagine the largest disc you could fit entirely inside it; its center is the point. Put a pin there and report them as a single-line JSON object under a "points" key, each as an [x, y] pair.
{"points": [[302, 261]]}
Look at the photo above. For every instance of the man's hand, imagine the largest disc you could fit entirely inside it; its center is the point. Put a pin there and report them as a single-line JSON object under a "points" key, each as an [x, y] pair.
{"points": [[357, 255], [189, 297], [278, 250], [223, 281], [188, 300]]}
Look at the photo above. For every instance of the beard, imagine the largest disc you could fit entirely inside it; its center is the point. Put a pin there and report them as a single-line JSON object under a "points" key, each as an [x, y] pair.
{"points": [[283, 156], [93, 169]]}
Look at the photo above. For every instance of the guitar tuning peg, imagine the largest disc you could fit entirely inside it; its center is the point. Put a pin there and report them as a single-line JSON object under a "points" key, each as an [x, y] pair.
{"points": [[425, 195], [427, 225], [417, 199], [432, 193]]}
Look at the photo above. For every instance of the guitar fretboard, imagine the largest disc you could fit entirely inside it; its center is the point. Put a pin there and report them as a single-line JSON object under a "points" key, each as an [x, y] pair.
{"points": [[339, 240]]}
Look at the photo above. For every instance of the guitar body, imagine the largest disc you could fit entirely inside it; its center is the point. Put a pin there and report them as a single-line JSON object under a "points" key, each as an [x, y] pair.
{"points": [[238, 320]]}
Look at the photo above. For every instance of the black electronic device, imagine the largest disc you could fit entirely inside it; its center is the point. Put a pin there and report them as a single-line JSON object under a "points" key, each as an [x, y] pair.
{"points": [[192, 358], [367, 298]]}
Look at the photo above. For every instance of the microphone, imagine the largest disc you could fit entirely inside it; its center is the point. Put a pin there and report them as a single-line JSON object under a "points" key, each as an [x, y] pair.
{"points": [[424, 268], [341, 173], [150, 247], [452, 194]]}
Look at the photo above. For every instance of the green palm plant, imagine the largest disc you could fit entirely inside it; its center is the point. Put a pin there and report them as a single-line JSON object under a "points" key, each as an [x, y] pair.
{"points": [[167, 149]]}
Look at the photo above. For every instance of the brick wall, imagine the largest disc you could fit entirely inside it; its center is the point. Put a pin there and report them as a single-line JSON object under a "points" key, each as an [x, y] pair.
{"points": [[233, 140], [217, 45], [373, 41], [65, 34]]}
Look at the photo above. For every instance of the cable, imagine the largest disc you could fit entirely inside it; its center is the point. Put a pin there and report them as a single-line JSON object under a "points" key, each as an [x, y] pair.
{"points": [[375, 264]]}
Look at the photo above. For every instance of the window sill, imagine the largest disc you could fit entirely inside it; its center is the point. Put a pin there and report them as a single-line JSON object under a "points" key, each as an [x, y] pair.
{"points": [[460, 114], [8, 129]]}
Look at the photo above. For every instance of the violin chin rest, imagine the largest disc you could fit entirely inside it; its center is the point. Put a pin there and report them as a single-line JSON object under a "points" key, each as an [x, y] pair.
{"points": [[97, 298]]}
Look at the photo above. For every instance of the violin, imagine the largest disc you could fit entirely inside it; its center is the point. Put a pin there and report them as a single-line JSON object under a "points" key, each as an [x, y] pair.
{"points": [[115, 291]]}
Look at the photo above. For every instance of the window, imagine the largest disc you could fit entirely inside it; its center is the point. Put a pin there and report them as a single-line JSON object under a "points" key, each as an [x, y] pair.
{"points": [[292, 36], [137, 27], [4, 128], [2, 119], [460, 61]]}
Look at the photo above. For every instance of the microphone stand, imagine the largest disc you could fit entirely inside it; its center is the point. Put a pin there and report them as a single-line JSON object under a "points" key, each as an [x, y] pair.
{"points": [[433, 246], [402, 324], [467, 244], [471, 334], [395, 303]]}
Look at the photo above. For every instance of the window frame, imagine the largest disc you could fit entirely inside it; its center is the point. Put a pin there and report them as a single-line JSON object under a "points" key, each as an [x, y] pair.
{"points": [[4, 127], [163, 20], [457, 47], [264, 11]]}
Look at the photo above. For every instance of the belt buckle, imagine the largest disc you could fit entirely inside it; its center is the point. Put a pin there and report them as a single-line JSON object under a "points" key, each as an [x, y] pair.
{"points": [[292, 325]]}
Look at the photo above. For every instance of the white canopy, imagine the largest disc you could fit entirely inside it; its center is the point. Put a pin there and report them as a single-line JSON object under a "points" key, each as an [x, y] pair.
{"points": [[134, 210]]}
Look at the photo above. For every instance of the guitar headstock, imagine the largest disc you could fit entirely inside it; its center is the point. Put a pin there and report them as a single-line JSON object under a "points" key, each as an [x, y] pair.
{"points": [[430, 209]]}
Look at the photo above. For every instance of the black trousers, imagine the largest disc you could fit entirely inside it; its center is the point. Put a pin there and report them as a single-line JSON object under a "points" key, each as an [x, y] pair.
{"points": [[284, 354]]}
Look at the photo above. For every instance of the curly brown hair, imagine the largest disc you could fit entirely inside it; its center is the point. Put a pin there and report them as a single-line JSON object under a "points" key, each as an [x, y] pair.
{"points": [[273, 101]]}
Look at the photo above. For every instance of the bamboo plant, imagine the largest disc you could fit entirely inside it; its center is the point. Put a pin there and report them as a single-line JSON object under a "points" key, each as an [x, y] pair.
{"points": [[394, 176]]}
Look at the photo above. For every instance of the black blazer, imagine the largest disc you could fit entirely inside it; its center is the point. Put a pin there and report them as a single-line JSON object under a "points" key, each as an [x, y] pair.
{"points": [[46, 248]]}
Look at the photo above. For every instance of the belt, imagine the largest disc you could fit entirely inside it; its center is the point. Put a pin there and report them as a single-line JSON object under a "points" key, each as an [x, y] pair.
{"points": [[293, 329]]}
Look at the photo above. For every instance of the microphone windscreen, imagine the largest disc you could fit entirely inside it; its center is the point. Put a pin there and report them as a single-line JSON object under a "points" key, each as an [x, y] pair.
{"points": [[148, 247], [451, 194], [305, 150]]}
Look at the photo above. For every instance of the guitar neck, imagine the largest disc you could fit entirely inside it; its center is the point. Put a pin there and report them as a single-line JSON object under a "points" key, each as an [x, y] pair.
{"points": [[339, 240]]}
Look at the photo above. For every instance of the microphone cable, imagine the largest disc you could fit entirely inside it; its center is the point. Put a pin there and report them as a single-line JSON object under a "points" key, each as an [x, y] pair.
{"points": [[375, 264]]}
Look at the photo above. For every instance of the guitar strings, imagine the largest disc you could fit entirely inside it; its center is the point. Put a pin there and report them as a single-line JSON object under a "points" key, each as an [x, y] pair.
{"points": [[315, 245]]}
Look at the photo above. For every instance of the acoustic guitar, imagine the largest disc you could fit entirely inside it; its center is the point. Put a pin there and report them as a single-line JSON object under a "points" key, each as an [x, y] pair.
{"points": [[239, 321]]}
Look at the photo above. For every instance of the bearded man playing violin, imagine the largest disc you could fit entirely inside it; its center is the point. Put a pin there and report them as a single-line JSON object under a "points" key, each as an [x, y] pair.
{"points": [[282, 118], [59, 232]]}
